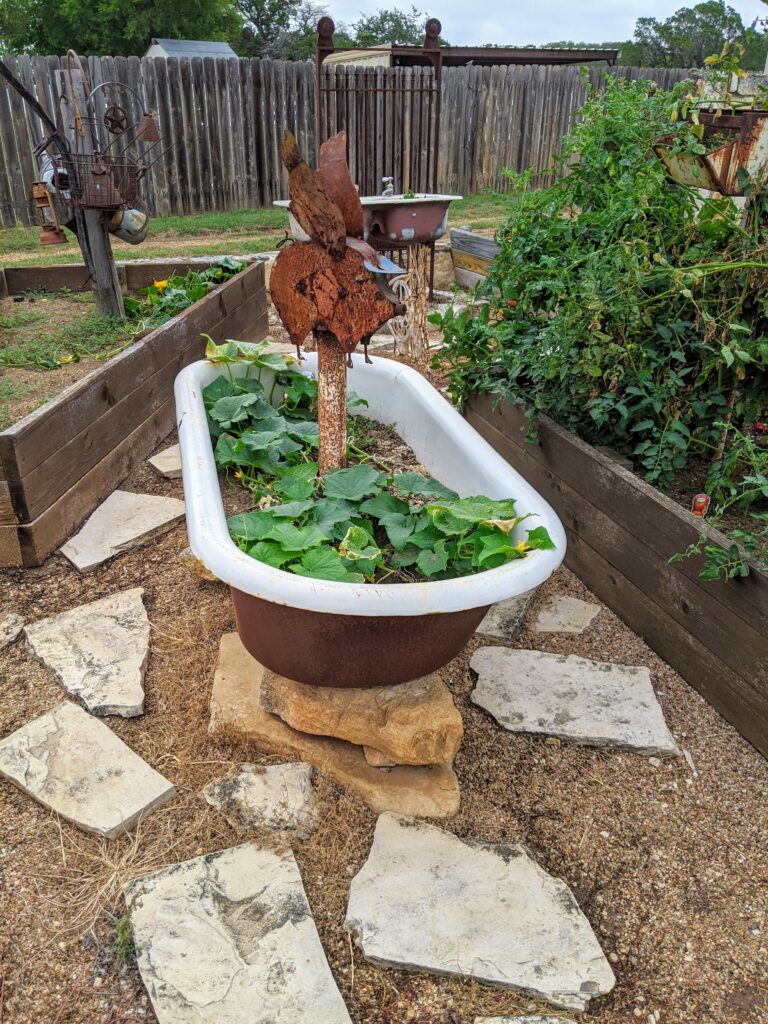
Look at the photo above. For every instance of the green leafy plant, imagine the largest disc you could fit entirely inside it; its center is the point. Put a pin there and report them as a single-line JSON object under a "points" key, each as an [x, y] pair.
{"points": [[739, 482], [355, 524], [164, 300], [630, 311]]}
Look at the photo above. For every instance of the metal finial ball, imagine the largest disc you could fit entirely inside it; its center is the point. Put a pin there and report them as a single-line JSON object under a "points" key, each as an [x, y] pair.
{"points": [[325, 27], [433, 28]]}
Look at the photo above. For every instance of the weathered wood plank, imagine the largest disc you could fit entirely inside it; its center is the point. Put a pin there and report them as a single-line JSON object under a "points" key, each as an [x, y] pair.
{"points": [[621, 534], [41, 537], [38, 436], [221, 119]]}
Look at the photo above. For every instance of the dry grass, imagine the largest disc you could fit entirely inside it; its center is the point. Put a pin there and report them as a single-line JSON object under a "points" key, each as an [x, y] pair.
{"points": [[670, 866]]}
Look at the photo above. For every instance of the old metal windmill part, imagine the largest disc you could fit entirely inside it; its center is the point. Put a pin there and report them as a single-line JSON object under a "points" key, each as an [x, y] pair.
{"points": [[116, 119]]}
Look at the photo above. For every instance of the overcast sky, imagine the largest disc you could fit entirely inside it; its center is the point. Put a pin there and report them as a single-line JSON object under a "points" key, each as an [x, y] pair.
{"points": [[468, 23]]}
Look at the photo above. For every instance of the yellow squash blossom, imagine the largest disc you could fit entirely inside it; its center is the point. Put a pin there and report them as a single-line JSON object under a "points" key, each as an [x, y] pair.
{"points": [[160, 285], [521, 545]]}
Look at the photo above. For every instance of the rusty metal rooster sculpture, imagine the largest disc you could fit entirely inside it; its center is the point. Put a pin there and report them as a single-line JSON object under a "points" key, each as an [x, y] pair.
{"points": [[334, 285]]}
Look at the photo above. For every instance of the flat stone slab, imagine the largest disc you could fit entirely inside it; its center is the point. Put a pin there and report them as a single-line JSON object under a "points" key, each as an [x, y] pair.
{"points": [[411, 723], [124, 521], [236, 713], [592, 703], [427, 900], [562, 614], [505, 618], [536, 1019], [167, 463], [229, 938], [98, 652], [11, 625], [75, 765], [277, 797]]}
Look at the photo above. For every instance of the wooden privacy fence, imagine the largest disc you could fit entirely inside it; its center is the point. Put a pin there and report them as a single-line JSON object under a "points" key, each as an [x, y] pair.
{"points": [[224, 119]]}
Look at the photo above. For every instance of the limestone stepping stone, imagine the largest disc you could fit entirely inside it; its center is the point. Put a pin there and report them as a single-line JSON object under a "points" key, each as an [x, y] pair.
{"points": [[98, 652], [588, 702], [167, 463], [229, 938], [505, 618], [11, 625], [427, 900], [124, 521], [562, 614], [75, 765], [277, 797], [536, 1019], [236, 713], [411, 723]]}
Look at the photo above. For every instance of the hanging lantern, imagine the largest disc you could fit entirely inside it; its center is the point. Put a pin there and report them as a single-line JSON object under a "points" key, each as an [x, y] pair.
{"points": [[46, 212]]}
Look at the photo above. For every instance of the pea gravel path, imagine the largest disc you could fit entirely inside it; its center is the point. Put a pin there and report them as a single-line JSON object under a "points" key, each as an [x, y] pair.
{"points": [[669, 864]]}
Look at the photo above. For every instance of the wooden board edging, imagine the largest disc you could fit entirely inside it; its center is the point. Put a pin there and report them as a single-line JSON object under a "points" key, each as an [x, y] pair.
{"points": [[59, 462], [621, 533]]}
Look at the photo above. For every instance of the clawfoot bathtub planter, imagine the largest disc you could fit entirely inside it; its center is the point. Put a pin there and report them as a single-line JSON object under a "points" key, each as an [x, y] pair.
{"points": [[348, 634]]}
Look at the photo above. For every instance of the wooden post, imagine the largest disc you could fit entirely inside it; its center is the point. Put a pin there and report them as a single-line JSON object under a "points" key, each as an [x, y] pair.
{"points": [[331, 402], [92, 230]]}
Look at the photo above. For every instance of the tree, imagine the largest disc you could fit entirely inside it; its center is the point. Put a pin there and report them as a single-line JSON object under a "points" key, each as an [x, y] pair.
{"points": [[264, 22], [690, 35], [391, 26], [113, 27]]}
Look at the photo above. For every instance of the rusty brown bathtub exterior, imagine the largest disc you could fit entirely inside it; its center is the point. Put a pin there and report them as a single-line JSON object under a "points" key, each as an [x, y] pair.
{"points": [[326, 649]]}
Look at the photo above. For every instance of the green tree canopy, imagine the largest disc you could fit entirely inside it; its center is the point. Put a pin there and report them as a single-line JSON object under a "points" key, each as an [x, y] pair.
{"points": [[691, 34], [390, 26], [110, 27]]}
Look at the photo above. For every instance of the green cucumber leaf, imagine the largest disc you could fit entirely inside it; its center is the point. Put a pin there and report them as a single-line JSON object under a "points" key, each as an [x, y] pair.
{"points": [[259, 439], [219, 388], [408, 556], [426, 537], [250, 526], [232, 408], [329, 512], [540, 540], [384, 504], [431, 562], [398, 528], [325, 563], [271, 553], [352, 484], [357, 544], [413, 483], [294, 538], [455, 517], [497, 548], [291, 509]]}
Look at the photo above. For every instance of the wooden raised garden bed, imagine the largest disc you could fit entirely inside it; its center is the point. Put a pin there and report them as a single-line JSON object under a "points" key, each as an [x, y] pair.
{"points": [[59, 462], [621, 534], [472, 256]]}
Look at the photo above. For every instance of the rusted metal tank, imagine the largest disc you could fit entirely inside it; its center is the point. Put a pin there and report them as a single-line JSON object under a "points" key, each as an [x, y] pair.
{"points": [[741, 139]]}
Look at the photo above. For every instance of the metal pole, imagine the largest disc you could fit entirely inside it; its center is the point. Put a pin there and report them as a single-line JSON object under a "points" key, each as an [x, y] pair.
{"points": [[92, 230], [331, 401]]}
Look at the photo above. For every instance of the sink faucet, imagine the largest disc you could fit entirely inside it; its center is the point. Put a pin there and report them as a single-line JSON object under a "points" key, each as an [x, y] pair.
{"points": [[389, 188]]}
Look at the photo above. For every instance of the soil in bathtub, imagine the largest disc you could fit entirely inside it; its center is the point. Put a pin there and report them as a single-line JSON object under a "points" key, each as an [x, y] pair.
{"points": [[381, 519]]}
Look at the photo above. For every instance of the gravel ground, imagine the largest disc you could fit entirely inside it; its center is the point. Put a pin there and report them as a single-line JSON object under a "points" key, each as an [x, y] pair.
{"points": [[668, 862]]}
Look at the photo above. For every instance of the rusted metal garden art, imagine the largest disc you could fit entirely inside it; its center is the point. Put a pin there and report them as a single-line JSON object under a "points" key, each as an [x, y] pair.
{"points": [[333, 284], [737, 151]]}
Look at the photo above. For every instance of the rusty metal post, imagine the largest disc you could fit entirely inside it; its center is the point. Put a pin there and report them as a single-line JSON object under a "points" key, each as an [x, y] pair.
{"points": [[331, 401]]}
